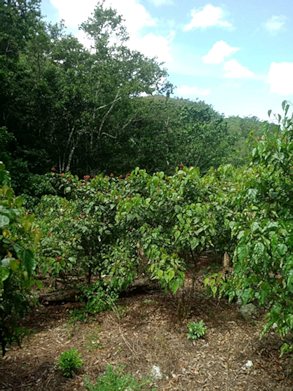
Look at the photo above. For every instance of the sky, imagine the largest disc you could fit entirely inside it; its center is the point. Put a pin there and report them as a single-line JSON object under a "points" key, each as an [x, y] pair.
{"points": [[236, 55]]}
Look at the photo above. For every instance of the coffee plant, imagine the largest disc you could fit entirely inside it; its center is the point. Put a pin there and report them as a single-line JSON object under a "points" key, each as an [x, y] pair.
{"points": [[263, 228], [108, 231], [261, 225], [18, 238]]}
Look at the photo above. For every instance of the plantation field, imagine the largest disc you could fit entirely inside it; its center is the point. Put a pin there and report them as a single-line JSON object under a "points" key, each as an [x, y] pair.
{"points": [[145, 241], [148, 328]]}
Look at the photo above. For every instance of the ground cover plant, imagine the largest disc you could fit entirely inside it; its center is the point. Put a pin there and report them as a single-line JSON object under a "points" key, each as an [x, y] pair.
{"points": [[117, 379]]}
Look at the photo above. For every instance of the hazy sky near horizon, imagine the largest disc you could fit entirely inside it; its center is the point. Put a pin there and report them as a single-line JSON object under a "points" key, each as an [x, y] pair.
{"points": [[236, 55]]}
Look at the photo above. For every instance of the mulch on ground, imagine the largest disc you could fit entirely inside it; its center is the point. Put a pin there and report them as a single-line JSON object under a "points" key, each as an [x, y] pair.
{"points": [[147, 329]]}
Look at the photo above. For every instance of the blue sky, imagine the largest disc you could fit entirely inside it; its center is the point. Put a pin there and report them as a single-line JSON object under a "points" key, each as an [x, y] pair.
{"points": [[236, 55]]}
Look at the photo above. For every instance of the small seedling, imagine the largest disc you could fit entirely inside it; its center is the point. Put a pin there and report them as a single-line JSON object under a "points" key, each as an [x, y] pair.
{"points": [[69, 362], [196, 330], [116, 379]]}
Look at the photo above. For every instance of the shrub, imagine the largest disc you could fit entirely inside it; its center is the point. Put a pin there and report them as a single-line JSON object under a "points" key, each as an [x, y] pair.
{"points": [[17, 263], [196, 330], [69, 362]]}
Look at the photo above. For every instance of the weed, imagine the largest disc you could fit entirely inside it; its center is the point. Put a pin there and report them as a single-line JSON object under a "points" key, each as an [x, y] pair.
{"points": [[115, 379], [119, 311]]}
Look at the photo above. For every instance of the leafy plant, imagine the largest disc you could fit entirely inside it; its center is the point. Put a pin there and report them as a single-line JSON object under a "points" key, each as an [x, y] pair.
{"points": [[99, 298], [263, 262], [18, 238], [196, 330], [111, 230], [70, 362], [115, 379], [78, 315]]}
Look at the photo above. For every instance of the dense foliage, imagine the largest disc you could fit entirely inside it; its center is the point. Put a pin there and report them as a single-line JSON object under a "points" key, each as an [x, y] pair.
{"points": [[17, 238], [67, 108], [115, 229], [263, 228]]}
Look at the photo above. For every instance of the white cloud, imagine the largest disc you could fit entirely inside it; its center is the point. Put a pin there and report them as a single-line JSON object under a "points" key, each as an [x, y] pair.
{"points": [[75, 12], [159, 3], [207, 16], [275, 23], [136, 19], [280, 78], [218, 52], [234, 70], [153, 45], [135, 14], [72, 12], [85, 40], [192, 92]]}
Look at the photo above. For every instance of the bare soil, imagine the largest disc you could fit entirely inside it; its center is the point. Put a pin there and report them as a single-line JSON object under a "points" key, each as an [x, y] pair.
{"points": [[146, 329]]}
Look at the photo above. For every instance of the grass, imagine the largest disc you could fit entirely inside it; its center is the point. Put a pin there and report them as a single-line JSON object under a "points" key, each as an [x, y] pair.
{"points": [[115, 379]]}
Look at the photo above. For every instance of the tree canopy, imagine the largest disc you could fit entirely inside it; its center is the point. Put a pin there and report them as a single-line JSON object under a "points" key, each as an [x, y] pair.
{"points": [[100, 109]]}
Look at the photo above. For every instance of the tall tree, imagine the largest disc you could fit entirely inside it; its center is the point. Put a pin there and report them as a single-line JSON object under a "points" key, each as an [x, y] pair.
{"points": [[165, 132], [64, 103]]}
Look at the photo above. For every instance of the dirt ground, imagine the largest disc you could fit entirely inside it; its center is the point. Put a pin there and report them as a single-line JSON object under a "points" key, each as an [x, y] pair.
{"points": [[146, 329]]}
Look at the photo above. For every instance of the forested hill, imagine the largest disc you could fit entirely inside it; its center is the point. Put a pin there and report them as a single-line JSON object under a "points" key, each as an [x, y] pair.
{"points": [[68, 108]]}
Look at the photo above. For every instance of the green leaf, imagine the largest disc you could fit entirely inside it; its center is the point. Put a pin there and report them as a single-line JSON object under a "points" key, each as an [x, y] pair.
{"points": [[242, 252], [255, 226], [282, 249], [259, 249], [27, 257], [177, 234], [170, 275], [4, 273], [194, 242], [4, 221]]}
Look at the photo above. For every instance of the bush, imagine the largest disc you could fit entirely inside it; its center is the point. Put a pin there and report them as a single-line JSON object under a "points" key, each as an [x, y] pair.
{"points": [[196, 330], [159, 225], [263, 261], [98, 297], [18, 238], [69, 362]]}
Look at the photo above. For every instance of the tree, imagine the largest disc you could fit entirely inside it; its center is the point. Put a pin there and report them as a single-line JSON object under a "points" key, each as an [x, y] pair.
{"points": [[165, 132], [244, 132], [20, 22], [65, 105]]}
